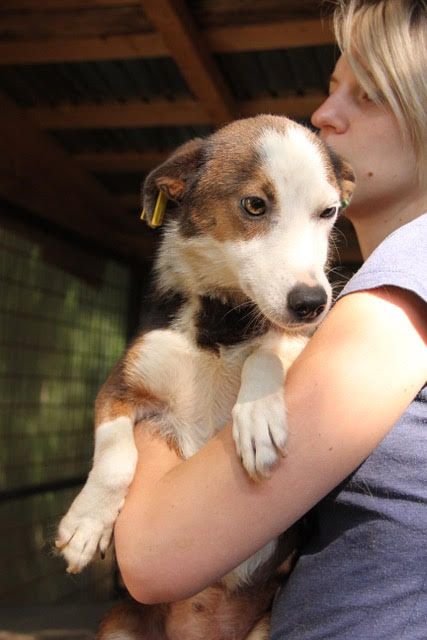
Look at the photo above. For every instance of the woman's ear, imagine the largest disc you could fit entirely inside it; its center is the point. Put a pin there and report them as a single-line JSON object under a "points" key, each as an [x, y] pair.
{"points": [[171, 179]]}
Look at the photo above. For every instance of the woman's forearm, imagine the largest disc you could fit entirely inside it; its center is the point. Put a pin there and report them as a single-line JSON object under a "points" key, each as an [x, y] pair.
{"points": [[185, 524]]}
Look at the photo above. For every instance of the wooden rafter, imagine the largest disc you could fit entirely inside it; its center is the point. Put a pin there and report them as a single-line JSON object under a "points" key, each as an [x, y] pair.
{"points": [[136, 113], [38, 175], [133, 113], [231, 39], [132, 162], [175, 24], [14, 5]]}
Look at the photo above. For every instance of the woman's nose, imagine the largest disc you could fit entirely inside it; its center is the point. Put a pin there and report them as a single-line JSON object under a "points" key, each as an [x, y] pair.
{"points": [[328, 115]]}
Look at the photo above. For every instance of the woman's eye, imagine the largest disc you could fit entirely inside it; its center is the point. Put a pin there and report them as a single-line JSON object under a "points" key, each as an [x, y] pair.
{"points": [[253, 205], [330, 212]]}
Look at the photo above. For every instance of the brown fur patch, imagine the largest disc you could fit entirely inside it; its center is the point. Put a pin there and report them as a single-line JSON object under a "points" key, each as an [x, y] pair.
{"points": [[119, 395], [216, 207], [213, 614], [232, 171], [137, 621]]}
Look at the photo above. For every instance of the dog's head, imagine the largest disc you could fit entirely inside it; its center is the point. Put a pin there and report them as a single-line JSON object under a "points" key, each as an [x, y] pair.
{"points": [[250, 213]]}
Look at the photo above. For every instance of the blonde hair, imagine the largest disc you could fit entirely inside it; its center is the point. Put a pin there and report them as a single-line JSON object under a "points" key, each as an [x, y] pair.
{"points": [[385, 42]]}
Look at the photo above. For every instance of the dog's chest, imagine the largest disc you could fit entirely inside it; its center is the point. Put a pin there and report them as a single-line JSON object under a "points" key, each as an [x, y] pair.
{"points": [[218, 382], [197, 386]]}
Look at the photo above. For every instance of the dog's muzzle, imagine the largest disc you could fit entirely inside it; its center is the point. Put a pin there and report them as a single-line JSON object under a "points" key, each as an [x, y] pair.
{"points": [[306, 303]]}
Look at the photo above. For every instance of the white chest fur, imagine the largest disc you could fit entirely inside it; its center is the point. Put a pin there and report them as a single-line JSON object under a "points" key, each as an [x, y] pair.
{"points": [[197, 388]]}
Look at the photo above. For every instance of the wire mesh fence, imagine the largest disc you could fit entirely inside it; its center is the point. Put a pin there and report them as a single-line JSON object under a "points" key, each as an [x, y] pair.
{"points": [[60, 333]]}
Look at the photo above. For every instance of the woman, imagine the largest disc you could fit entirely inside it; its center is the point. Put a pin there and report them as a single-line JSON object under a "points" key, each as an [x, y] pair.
{"points": [[356, 400]]}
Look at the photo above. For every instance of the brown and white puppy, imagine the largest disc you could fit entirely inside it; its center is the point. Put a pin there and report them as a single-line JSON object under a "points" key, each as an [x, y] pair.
{"points": [[239, 284]]}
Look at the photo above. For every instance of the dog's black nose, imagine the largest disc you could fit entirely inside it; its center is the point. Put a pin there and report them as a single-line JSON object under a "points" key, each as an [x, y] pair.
{"points": [[307, 303]]}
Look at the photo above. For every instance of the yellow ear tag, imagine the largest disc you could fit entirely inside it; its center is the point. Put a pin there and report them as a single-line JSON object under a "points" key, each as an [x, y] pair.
{"points": [[159, 210]]}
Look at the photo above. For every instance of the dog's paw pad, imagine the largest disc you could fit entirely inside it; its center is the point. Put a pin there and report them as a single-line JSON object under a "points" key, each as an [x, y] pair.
{"points": [[260, 434], [79, 538]]}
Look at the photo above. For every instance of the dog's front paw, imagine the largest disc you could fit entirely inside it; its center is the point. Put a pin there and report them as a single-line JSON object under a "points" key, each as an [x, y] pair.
{"points": [[260, 433], [84, 530]]}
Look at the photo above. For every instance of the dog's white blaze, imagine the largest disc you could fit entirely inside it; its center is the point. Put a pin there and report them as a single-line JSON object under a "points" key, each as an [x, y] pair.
{"points": [[295, 249], [295, 163]]}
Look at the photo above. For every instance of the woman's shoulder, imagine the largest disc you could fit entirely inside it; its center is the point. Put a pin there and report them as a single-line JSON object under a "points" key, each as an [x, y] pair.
{"points": [[400, 260]]}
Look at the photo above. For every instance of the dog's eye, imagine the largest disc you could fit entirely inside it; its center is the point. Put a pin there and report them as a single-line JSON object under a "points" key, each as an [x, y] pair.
{"points": [[253, 205], [330, 212]]}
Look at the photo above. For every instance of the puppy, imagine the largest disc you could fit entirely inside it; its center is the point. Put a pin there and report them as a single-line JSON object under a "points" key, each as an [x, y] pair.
{"points": [[239, 285]]}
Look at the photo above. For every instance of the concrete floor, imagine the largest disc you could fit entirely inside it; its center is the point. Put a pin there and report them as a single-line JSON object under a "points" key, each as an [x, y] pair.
{"points": [[51, 622]]}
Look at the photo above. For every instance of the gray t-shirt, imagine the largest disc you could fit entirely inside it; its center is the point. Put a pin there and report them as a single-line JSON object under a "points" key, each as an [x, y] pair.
{"points": [[363, 573]]}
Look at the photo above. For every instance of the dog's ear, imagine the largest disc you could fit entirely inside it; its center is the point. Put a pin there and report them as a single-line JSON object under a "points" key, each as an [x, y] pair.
{"points": [[347, 181], [171, 179], [344, 175]]}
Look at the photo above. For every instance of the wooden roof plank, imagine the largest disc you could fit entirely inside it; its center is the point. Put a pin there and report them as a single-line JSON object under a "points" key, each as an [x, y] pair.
{"points": [[130, 161], [173, 21], [35, 173], [36, 5], [133, 113], [283, 34], [145, 45], [232, 39]]}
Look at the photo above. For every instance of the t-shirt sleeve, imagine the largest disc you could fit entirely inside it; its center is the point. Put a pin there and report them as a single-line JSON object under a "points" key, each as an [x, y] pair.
{"points": [[400, 260]]}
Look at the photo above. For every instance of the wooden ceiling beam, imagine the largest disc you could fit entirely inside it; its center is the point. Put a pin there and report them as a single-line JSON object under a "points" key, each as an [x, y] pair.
{"points": [[291, 106], [145, 45], [282, 34], [37, 5], [133, 113], [36, 174], [182, 112], [132, 162], [187, 47]]}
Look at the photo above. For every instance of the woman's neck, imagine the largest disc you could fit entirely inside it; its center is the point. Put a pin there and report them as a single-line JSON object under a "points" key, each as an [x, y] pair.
{"points": [[373, 227]]}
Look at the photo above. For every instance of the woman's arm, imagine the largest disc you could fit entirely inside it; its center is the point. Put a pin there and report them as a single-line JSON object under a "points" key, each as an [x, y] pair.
{"points": [[185, 524]]}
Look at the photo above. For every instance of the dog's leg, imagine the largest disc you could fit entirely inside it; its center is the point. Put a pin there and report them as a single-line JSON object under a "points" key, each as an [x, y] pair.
{"points": [[130, 620], [261, 630], [259, 415], [90, 519]]}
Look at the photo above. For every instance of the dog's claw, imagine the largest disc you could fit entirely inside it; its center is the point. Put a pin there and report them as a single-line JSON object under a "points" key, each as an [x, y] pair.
{"points": [[60, 545], [80, 536]]}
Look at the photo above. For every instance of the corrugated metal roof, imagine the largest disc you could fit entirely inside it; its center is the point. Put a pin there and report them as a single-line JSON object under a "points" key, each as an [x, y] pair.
{"points": [[93, 82], [278, 72], [104, 89], [122, 140], [248, 75]]}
